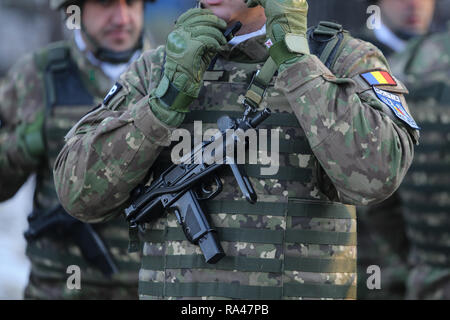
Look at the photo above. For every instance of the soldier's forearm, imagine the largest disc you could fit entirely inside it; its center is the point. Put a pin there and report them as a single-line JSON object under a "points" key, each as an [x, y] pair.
{"points": [[102, 162], [340, 128]]}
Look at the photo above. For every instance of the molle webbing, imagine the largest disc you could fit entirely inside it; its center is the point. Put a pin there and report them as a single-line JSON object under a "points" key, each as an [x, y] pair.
{"points": [[244, 292], [266, 266], [440, 91], [425, 189]]}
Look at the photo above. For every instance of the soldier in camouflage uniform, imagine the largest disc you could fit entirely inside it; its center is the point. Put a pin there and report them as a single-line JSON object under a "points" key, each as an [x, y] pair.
{"points": [[339, 146], [425, 66], [400, 22], [382, 239], [42, 97]]}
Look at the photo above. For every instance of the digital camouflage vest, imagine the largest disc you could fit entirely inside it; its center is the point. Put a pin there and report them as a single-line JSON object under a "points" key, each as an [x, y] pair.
{"points": [[426, 188], [294, 242], [71, 93]]}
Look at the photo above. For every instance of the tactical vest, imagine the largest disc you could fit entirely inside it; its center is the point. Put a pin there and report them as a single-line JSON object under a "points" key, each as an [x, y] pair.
{"points": [[425, 189], [294, 242], [67, 100]]}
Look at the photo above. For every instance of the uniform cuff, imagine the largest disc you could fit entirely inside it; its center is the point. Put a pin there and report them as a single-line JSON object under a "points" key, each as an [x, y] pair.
{"points": [[146, 121]]}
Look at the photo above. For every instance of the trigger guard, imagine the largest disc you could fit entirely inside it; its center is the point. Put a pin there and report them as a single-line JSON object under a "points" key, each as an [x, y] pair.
{"points": [[212, 194]]}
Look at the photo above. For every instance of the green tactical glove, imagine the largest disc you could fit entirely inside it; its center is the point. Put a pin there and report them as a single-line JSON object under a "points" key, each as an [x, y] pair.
{"points": [[190, 47], [286, 27]]}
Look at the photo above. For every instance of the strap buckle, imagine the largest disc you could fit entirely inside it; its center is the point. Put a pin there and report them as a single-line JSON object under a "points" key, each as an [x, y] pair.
{"points": [[255, 92], [328, 28]]}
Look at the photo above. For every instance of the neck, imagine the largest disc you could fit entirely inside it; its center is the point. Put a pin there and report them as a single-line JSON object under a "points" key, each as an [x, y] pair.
{"points": [[253, 20]]}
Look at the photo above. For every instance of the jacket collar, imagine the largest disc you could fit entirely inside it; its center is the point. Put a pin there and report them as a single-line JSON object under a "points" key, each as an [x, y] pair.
{"points": [[98, 82], [250, 50]]}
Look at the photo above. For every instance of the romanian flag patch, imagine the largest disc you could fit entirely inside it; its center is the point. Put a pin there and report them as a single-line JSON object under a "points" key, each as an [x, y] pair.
{"points": [[379, 78]]}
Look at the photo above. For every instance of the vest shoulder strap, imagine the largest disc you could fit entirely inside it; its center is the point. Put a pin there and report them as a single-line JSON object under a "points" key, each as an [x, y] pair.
{"points": [[326, 41], [55, 54], [62, 78]]}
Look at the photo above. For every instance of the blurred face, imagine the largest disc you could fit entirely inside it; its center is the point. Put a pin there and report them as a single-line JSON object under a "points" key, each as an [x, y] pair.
{"points": [[115, 24], [236, 10], [410, 16]]}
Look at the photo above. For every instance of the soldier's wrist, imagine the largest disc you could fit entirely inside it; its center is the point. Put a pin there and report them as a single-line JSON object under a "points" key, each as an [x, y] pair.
{"points": [[172, 97], [161, 111], [293, 46]]}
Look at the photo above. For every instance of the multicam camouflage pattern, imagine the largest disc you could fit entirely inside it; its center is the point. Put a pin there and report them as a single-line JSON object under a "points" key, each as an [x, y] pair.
{"points": [[425, 66], [299, 240], [22, 100]]}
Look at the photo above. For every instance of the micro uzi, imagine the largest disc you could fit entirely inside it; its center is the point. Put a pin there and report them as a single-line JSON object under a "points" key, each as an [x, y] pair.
{"points": [[230, 146]]}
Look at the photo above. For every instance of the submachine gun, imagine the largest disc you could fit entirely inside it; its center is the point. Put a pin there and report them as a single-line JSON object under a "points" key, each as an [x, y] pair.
{"points": [[182, 187]]}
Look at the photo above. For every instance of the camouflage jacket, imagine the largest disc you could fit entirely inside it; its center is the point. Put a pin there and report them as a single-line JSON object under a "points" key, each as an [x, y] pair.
{"points": [[24, 95], [22, 103], [339, 125], [114, 147]]}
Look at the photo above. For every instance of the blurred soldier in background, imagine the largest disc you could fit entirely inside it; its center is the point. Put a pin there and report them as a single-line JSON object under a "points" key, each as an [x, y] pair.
{"points": [[382, 239], [401, 20], [42, 96], [425, 67]]}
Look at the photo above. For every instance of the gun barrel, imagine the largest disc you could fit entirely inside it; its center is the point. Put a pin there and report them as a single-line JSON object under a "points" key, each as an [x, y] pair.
{"points": [[260, 117]]}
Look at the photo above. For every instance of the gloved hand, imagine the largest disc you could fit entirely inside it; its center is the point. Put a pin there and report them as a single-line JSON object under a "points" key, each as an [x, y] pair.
{"points": [[196, 39], [286, 24]]}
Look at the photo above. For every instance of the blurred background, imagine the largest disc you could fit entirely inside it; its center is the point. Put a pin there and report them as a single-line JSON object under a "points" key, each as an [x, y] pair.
{"points": [[26, 25]]}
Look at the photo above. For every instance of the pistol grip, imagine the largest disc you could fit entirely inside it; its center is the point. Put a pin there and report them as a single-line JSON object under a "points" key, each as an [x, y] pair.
{"points": [[196, 226]]}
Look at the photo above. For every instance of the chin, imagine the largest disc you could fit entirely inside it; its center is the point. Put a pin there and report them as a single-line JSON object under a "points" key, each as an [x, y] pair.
{"points": [[221, 13], [118, 47]]}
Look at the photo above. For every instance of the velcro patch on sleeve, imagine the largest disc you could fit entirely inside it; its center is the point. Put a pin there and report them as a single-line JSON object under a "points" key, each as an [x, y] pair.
{"points": [[394, 102], [114, 90], [379, 78]]}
